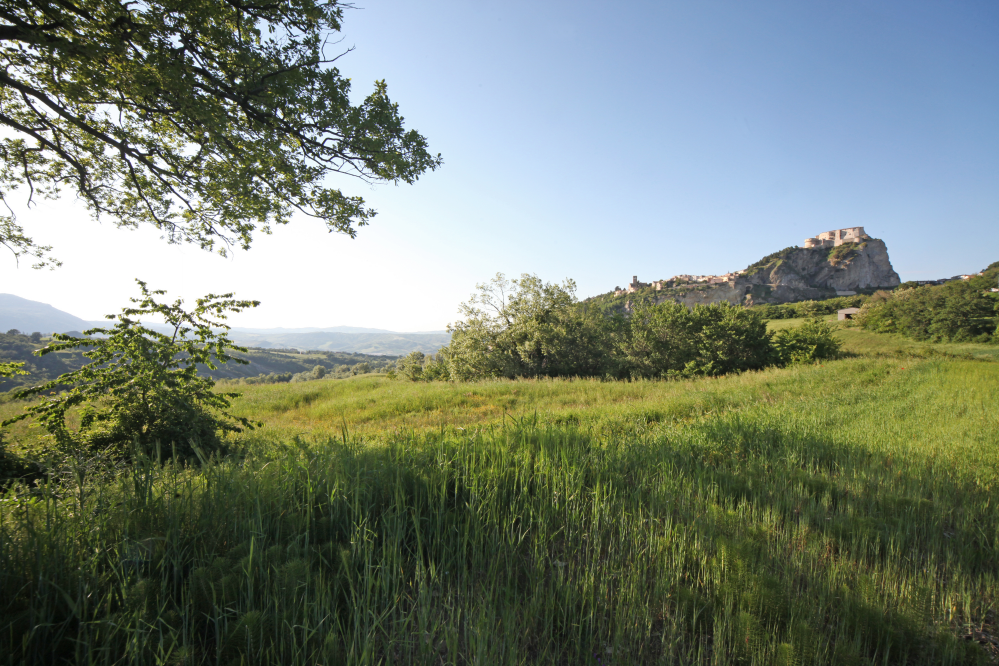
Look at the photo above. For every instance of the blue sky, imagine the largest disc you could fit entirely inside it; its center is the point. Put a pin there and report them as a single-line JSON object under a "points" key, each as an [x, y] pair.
{"points": [[598, 141]]}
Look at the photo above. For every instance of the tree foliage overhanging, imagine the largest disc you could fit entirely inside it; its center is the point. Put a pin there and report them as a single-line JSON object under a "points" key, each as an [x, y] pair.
{"points": [[528, 328], [210, 119]]}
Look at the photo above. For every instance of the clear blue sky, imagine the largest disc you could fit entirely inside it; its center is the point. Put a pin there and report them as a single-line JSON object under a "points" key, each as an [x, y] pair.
{"points": [[597, 141]]}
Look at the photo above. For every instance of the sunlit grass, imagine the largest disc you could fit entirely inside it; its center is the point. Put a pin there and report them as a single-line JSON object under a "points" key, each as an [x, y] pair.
{"points": [[860, 342], [842, 513]]}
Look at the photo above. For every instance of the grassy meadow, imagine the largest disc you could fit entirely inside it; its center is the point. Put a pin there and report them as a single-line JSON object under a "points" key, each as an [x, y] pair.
{"points": [[843, 513]]}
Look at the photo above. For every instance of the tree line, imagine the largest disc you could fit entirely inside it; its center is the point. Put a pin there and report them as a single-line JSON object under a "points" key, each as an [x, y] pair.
{"points": [[529, 328], [318, 372], [958, 311]]}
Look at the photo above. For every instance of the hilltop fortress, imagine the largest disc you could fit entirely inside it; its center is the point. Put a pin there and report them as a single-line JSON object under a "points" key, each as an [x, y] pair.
{"points": [[838, 262], [837, 238]]}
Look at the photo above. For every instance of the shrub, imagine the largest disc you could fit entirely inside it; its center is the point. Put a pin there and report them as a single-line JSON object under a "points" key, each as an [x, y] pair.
{"points": [[417, 366], [671, 340], [435, 369], [813, 341], [958, 311], [411, 366]]}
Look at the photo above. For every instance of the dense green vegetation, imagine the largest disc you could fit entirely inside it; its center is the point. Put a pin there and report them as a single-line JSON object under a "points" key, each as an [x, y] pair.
{"points": [[528, 328], [809, 308], [671, 340], [16, 347], [958, 311], [834, 514]]}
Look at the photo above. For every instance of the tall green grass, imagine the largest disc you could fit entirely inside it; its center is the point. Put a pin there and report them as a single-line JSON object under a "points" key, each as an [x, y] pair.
{"points": [[843, 514]]}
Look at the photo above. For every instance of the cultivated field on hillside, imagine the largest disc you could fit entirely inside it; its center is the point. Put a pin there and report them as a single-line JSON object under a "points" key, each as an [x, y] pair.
{"points": [[834, 514]]}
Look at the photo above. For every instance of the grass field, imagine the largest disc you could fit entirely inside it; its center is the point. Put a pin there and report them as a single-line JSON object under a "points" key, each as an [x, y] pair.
{"points": [[860, 342], [836, 514]]}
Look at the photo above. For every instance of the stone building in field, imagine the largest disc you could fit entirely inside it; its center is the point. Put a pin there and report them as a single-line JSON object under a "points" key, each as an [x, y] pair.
{"points": [[846, 313]]}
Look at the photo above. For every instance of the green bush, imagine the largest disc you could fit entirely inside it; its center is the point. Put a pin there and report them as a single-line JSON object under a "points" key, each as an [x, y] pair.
{"points": [[411, 366], [417, 366], [671, 340], [435, 369], [959, 311], [526, 328], [813, 341]]}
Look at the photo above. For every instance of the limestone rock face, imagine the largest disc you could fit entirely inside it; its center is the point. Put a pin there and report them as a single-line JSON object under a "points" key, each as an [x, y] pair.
{"points": [[813, 272], [796, 274], [861, 266]]}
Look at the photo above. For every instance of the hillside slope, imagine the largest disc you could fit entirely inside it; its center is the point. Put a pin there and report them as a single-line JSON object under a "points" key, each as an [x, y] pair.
{"points": [[30, 316], [261, 362]]}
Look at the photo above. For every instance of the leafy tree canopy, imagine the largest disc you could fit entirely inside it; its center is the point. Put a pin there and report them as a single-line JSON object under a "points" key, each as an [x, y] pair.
{"points": [[529, 328], [959, 311], [671, 340], [210, 119], [525, 328]]}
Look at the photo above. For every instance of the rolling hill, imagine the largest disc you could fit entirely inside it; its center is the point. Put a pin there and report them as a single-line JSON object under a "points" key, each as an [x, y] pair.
{"points": [[29, 316]]}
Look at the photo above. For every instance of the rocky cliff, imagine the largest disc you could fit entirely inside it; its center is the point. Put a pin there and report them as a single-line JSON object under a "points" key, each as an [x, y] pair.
{"points": [[798, 273], [793, 274]]}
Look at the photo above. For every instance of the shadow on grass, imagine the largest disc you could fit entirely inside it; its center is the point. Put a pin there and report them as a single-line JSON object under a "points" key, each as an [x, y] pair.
{"points": [[728, 542]]}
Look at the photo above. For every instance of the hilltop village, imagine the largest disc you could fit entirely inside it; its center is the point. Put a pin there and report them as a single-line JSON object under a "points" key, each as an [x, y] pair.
{"points": [[841, 262], [833, 238]]}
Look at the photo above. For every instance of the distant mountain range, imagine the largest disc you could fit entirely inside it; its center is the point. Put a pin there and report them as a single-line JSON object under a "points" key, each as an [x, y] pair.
{"points": [[384, 342], [30, 316]]}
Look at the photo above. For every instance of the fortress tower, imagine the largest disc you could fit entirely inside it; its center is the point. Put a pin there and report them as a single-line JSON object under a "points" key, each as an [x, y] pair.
{"points": [[837, 237]]}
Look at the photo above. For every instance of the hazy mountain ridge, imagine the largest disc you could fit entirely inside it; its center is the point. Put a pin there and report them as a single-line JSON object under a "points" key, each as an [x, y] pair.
{"points": [[29, 316], [393, 344]]}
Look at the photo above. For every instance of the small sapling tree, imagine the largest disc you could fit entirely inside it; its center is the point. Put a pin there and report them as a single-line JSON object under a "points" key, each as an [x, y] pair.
{"points": [[142, 387]]}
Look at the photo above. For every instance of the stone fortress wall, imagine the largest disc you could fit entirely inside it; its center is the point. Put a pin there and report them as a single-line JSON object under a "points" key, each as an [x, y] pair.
{"points": [[836, 238]]}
